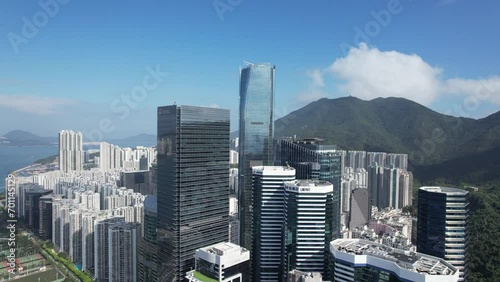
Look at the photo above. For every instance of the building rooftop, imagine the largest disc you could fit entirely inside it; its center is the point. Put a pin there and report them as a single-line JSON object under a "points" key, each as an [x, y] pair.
{"points": [[444, 190], [270, 170], [223, 248], [412, 261], [310, 186]]}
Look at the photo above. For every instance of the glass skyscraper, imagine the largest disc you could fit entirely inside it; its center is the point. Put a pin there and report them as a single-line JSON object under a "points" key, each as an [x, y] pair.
{"points": [[256, 136], [193, 185], [314, 161], [443, 214]]}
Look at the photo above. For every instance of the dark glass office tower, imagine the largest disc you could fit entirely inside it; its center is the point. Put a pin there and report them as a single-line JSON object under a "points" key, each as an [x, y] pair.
{"points": [[32, 207], [256, 136], [148, 248], [315, 161], [443, 214], [193, 185]]}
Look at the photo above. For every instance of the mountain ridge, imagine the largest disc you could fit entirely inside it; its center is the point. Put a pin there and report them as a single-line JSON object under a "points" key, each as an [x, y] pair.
{"points": [[392, 124]]}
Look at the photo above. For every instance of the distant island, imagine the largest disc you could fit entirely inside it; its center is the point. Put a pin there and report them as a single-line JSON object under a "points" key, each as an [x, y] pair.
{"points": [[20, 138]]}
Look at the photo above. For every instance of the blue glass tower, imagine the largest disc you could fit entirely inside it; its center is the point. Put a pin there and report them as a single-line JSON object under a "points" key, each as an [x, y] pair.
{"points": [[256, 136]]}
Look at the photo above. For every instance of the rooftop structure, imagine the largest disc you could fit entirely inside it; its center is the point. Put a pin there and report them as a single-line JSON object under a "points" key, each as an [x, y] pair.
{"points": [[405, 265], [221, 262]]}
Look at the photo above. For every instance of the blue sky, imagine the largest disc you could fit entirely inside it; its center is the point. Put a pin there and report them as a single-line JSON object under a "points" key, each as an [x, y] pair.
{"points": [[68, 65]]}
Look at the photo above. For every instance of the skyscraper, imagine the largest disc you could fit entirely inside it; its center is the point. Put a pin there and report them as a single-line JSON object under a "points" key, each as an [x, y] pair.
{"points": [[442, 225], [148, 247], [313, 160], [75, 238], [256, 136], [122, 245], [101, 247], [308, 209], [268, 194], [193, 184], [360, 209], [70, 150], [32, 206], [45, 211]]}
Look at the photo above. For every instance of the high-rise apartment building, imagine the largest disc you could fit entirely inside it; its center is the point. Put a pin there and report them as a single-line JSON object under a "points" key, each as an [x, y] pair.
{"points": [[193, 184], [397, 160], [313, 160], [75, 238], [256, 136], [356, 159], [443, 214], [268, 214], [307, 227], [360, 208], [376, 157], [88, 219], [70, 150], [122, 245], [101, 247]]}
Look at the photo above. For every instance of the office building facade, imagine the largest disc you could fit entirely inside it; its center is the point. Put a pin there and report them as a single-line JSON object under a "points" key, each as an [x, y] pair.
{"points": [[308, 226], [313, 160], [193, 184], [45, 212], [442, 225], [256, 136], [268, 214], [148, 246]]}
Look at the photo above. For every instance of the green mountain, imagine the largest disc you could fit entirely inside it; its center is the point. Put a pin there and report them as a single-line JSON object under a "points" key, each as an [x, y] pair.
{"points": [[392, 125]]}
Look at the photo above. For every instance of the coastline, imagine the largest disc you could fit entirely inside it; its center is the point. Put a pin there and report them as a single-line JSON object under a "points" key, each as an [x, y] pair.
{"points": [[2, 182]]}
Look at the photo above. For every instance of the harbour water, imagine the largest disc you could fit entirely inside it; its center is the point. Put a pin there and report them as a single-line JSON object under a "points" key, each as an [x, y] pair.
{"points": [[14, 158]]}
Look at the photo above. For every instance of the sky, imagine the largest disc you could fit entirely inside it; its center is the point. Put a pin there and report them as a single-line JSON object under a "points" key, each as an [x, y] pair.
{"points": [[103, 67]]}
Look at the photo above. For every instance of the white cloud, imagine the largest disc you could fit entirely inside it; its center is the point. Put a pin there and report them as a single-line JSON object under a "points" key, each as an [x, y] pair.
{"points": [[483, 89], [34, 104], [316, 78], [370, 73]]}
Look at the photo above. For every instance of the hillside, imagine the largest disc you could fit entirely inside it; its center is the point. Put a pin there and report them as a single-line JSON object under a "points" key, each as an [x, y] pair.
{"points": [[392, 125], [23, 138]]}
